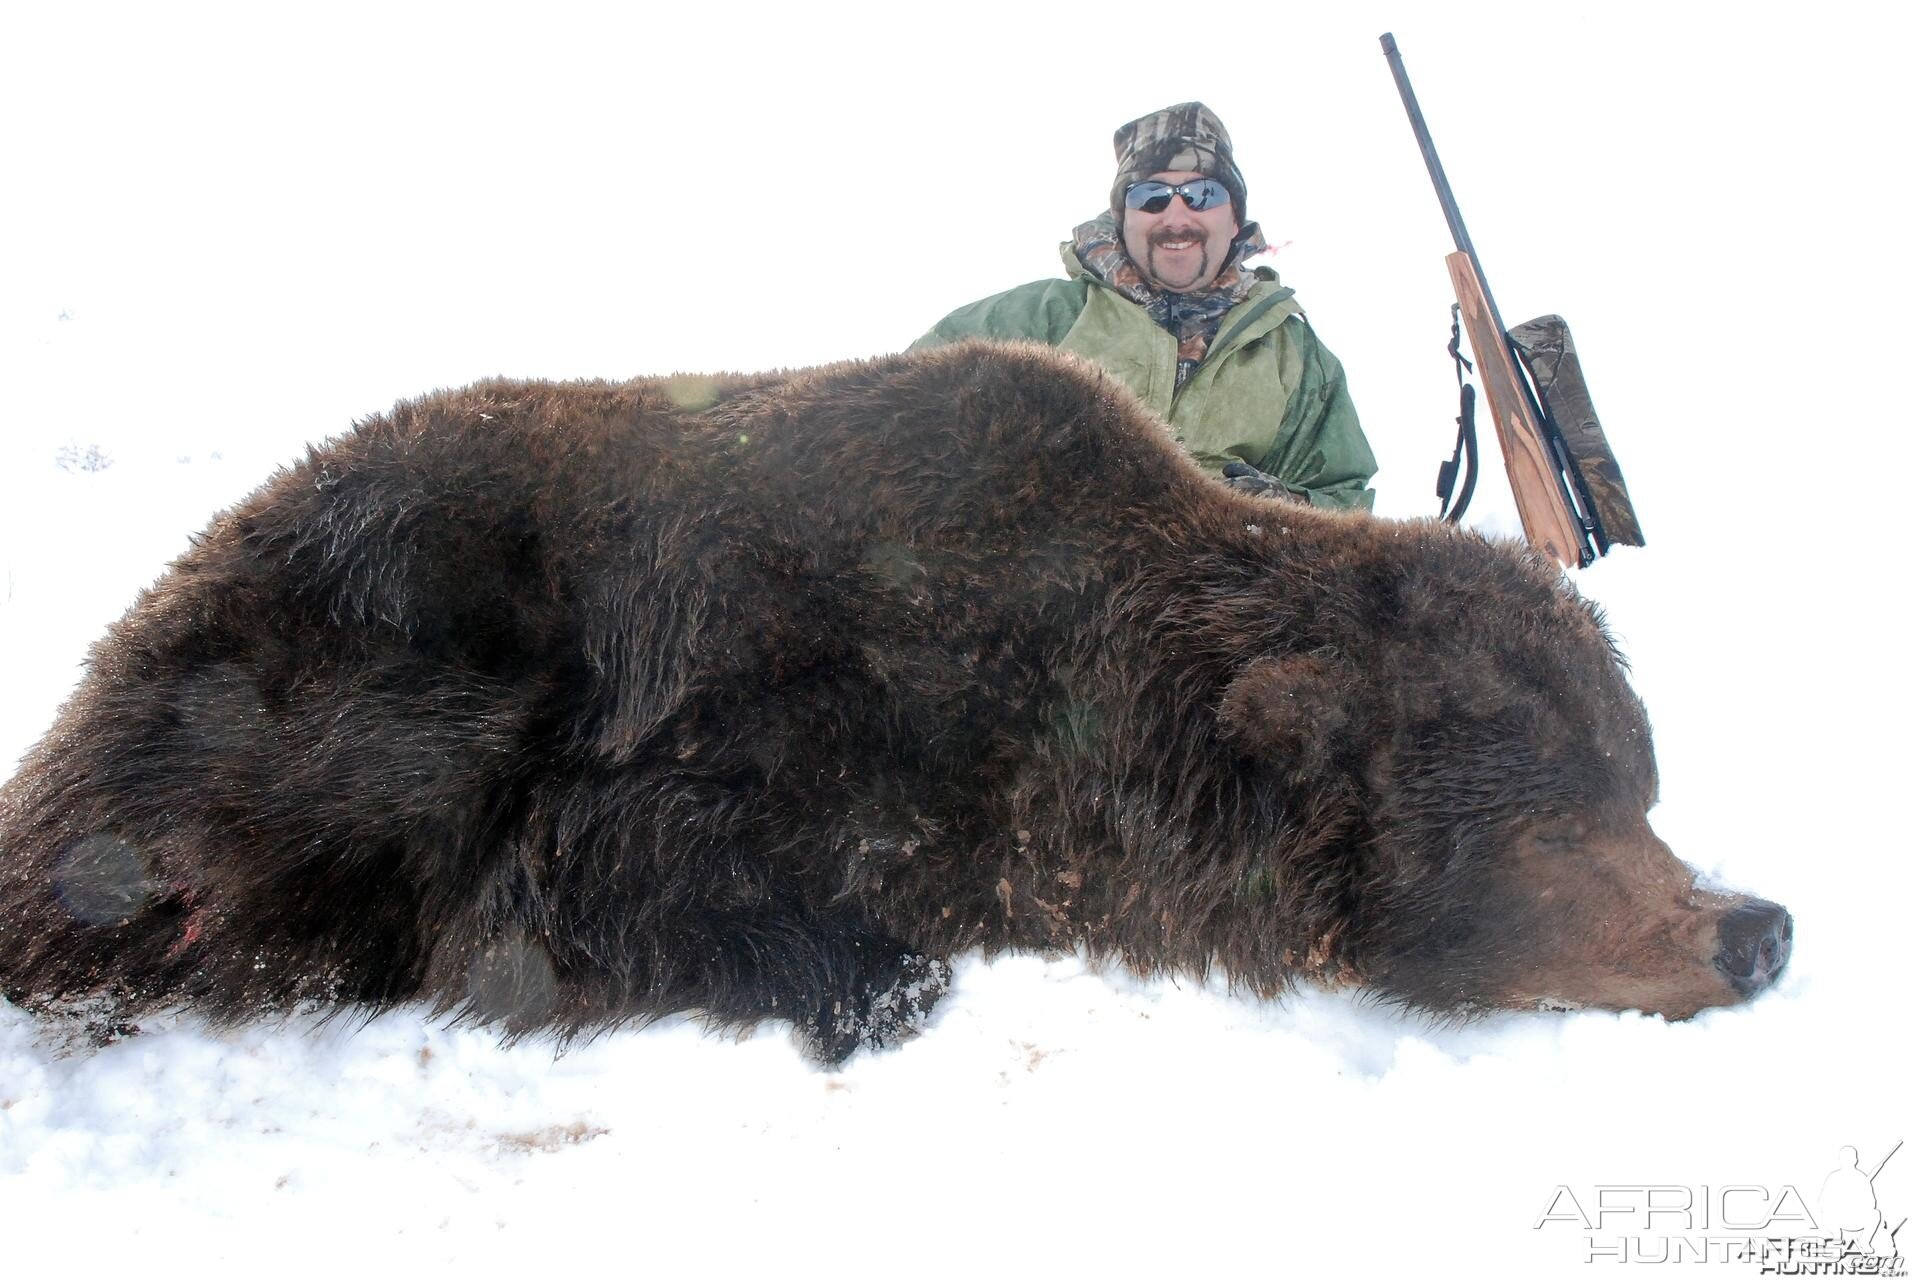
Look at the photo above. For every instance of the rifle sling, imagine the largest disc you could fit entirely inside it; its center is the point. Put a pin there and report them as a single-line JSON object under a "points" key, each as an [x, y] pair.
{"points": [[1465, 442]]}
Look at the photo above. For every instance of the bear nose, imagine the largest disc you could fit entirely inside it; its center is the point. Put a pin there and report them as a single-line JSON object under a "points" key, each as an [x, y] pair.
{"points": [[1755, 940]]}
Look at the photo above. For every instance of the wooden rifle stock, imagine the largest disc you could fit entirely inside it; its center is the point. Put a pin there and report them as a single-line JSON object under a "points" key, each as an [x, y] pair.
{"points": [[1537, 489]]}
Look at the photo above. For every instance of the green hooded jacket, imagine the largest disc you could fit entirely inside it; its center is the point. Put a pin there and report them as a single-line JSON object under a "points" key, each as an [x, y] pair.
{"points": [[1267, 393]]}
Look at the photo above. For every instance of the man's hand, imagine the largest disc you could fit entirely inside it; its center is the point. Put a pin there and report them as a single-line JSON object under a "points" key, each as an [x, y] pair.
{"points": [[1248, 480]]}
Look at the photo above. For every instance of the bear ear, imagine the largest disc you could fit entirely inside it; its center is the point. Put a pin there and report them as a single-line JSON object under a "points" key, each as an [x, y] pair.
{"points": [[1291, 709]]}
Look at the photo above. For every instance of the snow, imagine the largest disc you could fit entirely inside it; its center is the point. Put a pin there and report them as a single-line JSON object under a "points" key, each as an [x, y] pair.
{"points": [[232, 230]]}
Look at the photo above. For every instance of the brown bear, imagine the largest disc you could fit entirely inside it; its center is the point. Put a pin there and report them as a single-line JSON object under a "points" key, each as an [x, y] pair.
{"points": [[564, 705]]}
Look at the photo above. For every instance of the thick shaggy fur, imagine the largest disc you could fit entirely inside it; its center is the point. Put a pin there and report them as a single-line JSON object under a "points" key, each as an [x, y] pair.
{"points": [[566, 704]]}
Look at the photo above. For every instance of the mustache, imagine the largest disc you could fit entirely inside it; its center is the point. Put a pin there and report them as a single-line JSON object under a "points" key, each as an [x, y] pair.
{"points": [[1160, 236]]}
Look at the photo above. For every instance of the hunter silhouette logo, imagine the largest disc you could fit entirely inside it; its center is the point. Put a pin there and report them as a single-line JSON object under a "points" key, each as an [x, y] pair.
{"points": [[1857, 1231], [1776, 1228]]}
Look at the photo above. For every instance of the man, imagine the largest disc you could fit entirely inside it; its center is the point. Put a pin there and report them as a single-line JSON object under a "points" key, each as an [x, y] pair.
{"points": [[1156, 294]]}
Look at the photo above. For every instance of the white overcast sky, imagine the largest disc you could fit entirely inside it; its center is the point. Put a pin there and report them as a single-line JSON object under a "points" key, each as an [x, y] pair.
{"points": [[1714, 194]]}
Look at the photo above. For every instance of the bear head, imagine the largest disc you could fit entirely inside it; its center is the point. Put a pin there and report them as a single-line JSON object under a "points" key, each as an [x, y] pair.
{"points": [[1500, 770]]}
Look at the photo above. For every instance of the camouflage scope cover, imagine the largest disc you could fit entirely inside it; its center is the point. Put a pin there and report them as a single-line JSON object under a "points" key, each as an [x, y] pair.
{"points": [[1546, 346]]}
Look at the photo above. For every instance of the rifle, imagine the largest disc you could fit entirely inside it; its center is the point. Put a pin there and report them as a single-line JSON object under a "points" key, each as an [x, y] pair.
{"points": [[1566, 483]]}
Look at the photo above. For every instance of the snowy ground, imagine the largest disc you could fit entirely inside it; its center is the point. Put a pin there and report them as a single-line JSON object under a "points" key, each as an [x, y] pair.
{"points": [[232, 234]]}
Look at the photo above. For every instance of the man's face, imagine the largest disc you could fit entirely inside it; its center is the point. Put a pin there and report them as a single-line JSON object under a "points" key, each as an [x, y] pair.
{"points": [[1180, 249]]}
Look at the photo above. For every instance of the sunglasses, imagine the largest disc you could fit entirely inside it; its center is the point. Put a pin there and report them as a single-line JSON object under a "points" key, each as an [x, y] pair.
{"points": [[1154, 196]]}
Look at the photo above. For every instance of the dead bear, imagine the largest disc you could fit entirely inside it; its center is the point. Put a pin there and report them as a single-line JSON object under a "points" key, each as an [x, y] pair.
{"points": [[565, 705]]}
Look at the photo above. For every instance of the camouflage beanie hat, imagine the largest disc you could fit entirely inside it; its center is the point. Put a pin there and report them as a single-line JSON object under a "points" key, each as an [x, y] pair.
{"points": [[1186, 136]]}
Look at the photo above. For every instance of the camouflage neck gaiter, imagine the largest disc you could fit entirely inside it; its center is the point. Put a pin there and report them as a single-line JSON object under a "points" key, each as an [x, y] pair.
{"points": [[1192, 319]]}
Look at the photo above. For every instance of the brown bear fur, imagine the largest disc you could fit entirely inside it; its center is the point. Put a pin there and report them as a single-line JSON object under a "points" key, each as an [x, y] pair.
{"points": [[568, 704]]}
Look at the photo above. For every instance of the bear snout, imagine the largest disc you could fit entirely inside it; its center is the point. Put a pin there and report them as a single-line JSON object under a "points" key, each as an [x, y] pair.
{"points": [[1755, 939]]}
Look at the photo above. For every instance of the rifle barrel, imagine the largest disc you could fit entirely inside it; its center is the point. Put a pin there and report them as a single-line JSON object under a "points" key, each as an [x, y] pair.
{"points": [[1448, 206]]}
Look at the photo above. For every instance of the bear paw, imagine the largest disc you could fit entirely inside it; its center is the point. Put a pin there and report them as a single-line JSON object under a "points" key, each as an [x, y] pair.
{"points": [[879, 1015]]}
